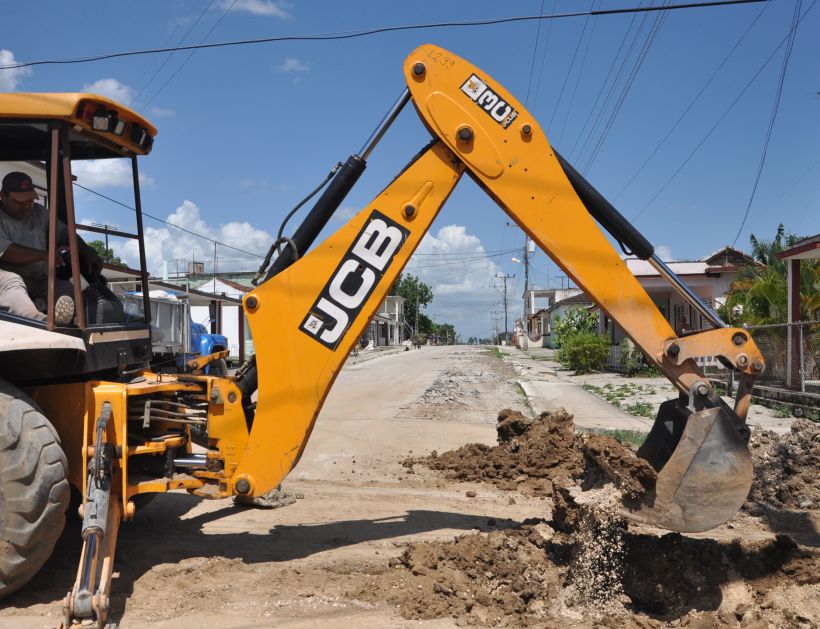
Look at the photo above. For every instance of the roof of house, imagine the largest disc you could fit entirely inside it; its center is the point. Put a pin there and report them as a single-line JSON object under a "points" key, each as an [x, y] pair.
{"points": [[576, 300], [806, 249]]}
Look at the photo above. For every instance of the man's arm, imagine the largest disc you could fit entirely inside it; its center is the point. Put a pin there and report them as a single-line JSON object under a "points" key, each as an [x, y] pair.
{"points": [[18, 254]]}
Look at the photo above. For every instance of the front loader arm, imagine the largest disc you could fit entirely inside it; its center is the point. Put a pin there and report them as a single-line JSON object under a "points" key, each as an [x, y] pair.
{"points": [[306, 318]]}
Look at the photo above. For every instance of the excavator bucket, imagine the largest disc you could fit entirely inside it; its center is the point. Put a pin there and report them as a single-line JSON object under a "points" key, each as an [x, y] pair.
{"points": [[704, 468]]}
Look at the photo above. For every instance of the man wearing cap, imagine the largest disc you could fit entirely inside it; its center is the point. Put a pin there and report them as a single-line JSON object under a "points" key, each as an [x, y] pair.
{"points": [[24, 253]]}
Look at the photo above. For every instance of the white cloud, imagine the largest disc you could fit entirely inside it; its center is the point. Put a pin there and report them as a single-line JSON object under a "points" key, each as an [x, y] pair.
{"points": [[345, 213], [293, 65], [107, 173], [10, 79], [455, 266], [160, 112], [268, 8], [111, 88], [167, 243], [664, 252]]}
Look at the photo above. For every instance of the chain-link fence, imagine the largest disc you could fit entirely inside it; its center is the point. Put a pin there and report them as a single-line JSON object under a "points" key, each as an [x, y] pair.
{"points": [[791, 352]]}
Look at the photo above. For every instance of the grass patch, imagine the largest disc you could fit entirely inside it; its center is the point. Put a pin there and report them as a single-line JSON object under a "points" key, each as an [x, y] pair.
{"points": [[617, 395], [520, 390], [494, 351], [633, 438], [641, 408]]}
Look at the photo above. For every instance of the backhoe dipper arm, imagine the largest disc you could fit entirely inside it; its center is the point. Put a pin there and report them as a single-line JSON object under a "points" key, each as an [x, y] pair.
{"points": [[306, 319]]}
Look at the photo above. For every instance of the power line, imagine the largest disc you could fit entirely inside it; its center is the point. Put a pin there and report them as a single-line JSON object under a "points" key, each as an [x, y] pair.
{"points": [[578, 76], [566, 76], [644, 52], [723, 116], [692, 103], [140, 90], [614, 83], [775, 107], [188, 58], [534, 54], [377, 31], [543, 57], [156, 218]]}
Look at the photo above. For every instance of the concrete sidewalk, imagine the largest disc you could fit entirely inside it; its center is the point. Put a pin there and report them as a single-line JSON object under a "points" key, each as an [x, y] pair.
{"points": [[546, 390]]}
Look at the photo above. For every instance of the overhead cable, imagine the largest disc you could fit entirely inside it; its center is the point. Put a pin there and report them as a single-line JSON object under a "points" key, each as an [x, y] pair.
{"points": [[724, 114], [156, 218], [775, 107], [377, 31]]}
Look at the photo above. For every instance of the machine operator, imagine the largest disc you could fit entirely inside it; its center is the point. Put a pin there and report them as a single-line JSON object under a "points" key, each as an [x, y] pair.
{"points": [[24, 254]]}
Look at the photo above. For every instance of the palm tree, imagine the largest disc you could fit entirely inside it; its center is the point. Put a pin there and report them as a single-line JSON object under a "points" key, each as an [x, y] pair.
{"points": [[758, 295]]}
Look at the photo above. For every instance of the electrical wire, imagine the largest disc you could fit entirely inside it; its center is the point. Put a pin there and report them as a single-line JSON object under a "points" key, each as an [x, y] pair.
{"points": [[723, 116], [188, 58], [534, 55], [615, 82], [653, 33], [566, 76], [142, 88], [543, 57], [156, 218], [692, 102], [578, 76], [376, 31], [168, 39], [775, 107]]}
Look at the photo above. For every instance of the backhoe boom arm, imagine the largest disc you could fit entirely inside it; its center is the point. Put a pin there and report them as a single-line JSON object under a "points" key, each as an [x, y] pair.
{"points": [[306, 318]]}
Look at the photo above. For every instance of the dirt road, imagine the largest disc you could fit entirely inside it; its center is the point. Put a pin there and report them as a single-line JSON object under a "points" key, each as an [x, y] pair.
{"points": [[369, 542]]}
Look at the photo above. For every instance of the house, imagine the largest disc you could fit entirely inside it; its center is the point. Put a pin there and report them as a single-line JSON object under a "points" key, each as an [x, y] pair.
{"points": [[709, 277], [546, 307], [386, 327]]}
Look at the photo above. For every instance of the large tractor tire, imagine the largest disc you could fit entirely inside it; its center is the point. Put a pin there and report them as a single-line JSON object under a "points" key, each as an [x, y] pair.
{"points": [[34, 489]]}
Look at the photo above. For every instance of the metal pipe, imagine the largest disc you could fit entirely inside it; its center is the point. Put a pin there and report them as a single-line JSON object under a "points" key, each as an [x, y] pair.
{"points": [[684, 291], [192, 460], [374, 138]]}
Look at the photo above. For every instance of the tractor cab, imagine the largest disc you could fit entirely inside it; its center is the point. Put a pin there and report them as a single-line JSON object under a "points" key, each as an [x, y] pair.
{"points": [[45, 140]]}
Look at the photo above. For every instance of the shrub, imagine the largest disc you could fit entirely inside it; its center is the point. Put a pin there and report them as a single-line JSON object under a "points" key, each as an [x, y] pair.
{"points": [[574, 321], [634, 363], [583, 352]]}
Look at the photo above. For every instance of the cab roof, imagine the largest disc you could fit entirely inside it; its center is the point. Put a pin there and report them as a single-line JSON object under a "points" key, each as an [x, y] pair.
{"points": [[76, 109]]}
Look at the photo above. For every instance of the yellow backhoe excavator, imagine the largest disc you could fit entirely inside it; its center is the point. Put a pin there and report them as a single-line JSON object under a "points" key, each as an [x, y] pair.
{"points": [[78, 407]]}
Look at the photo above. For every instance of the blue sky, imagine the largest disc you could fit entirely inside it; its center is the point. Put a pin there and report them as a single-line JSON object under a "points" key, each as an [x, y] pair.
{"points": [[245, 132]]}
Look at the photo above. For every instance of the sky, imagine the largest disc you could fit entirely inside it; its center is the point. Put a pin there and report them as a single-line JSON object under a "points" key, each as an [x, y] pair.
{"points": [[667, 114]]}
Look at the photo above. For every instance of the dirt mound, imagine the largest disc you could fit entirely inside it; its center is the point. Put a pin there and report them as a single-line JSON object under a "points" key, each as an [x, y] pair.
{"points": [[531, 453], [535, 575], [785, 468]]}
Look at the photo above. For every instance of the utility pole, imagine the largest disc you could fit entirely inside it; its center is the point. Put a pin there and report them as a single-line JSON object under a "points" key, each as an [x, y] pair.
{"points": [[505, 278], [526, 278], [416, 334]]}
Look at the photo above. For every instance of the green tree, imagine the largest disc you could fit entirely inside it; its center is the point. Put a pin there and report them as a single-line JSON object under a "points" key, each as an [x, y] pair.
{"points": [[416, 295], [107, 255], [758, 295], [447, 334]]}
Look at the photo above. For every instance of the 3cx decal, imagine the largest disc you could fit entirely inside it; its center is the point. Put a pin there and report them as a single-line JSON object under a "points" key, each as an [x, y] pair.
{"points": [[361, 269], [486, 98]]}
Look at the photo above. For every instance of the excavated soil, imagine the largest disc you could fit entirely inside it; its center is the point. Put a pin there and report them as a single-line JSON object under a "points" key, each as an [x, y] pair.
{"points": [[531, 453], [536, 576], [786, 469], [585, 567]]}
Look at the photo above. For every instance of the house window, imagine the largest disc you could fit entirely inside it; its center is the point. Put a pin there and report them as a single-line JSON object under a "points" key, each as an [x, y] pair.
{"points": [[679, 317]]}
